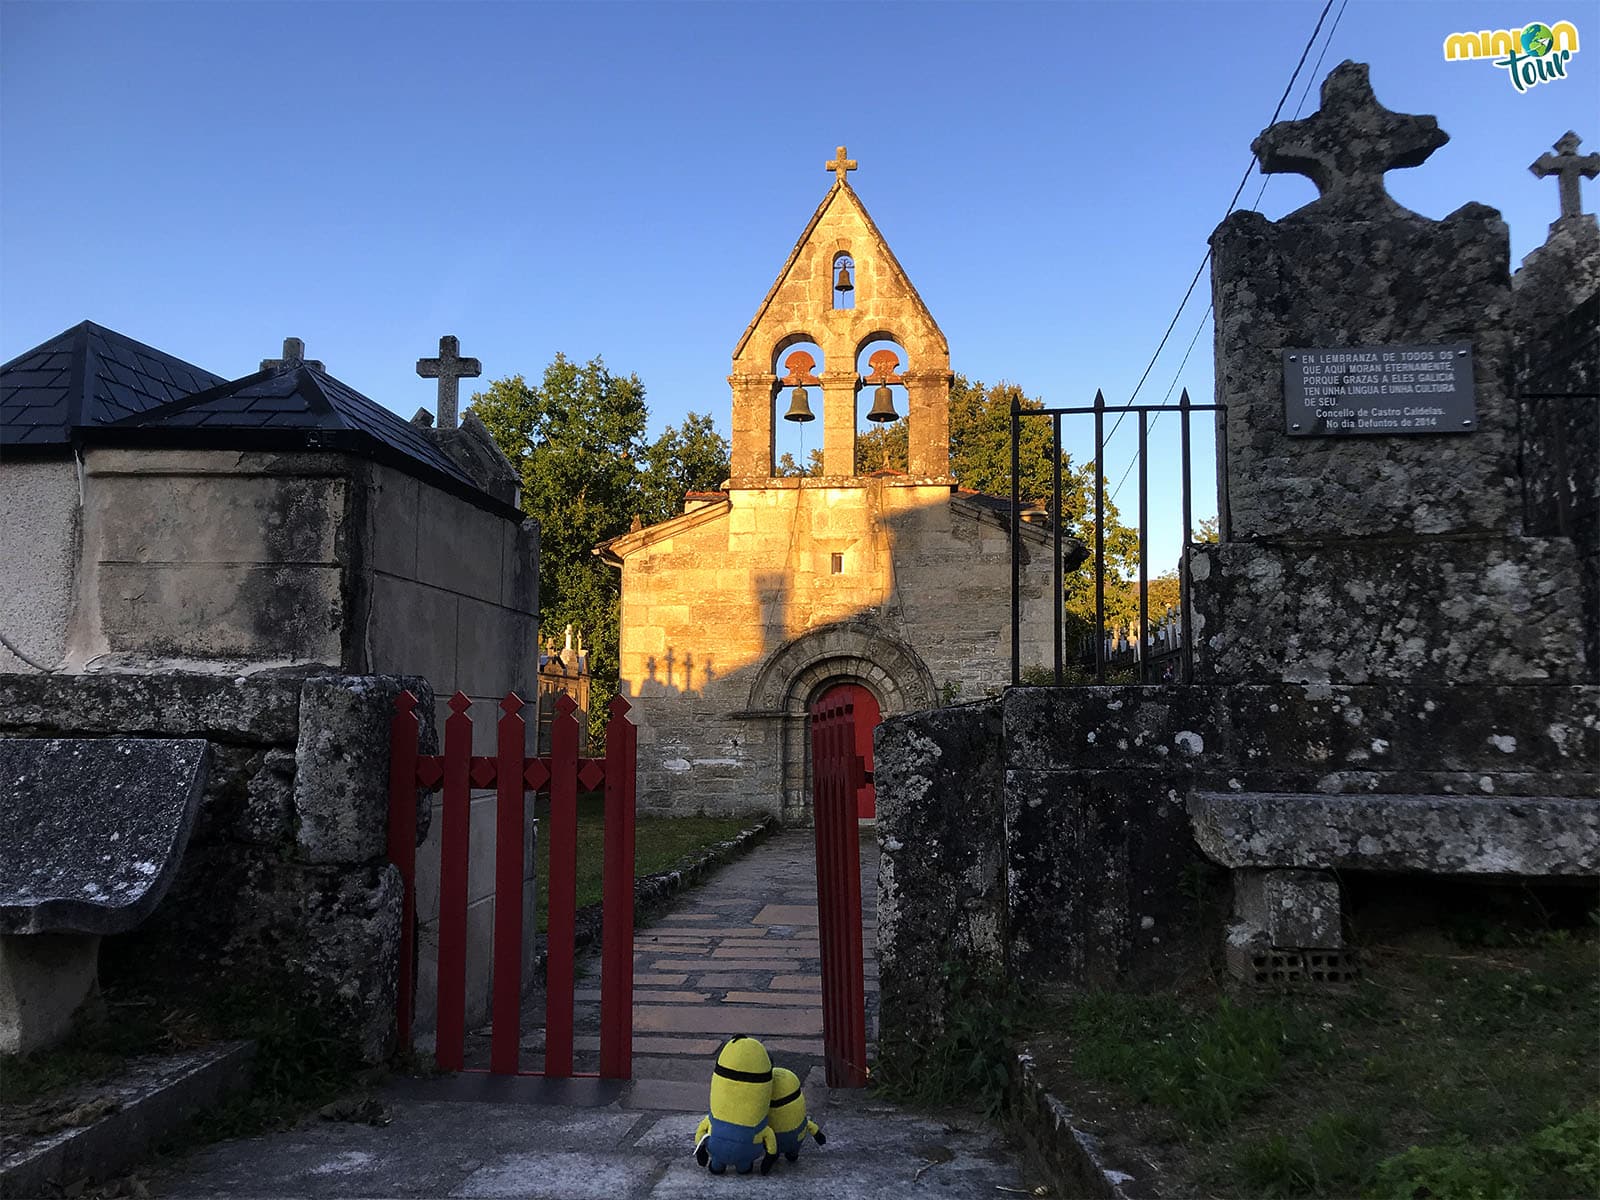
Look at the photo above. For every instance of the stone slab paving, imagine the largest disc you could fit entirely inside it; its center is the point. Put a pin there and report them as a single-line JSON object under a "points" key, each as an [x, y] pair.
{"points": [[583, 1138], [738, 954]]}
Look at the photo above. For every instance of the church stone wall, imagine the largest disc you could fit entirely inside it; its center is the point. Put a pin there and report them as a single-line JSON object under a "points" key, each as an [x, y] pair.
{"points": [[734, 620], [39, 531]]}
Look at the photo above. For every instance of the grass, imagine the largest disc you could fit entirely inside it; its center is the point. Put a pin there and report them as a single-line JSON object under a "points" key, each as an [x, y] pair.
{"points": [[660, 844], [1465, 1071]]}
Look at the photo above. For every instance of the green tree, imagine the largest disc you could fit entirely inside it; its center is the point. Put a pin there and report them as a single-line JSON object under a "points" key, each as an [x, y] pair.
{"points": [[690, 458], [980, 459], [786, 464], [577, 437]]}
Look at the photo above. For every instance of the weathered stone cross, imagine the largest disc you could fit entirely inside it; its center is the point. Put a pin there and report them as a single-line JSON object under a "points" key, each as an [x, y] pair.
{"points": [[1346, 145], [294, 355], [1569, 165], [840, 165], [447, 369]]}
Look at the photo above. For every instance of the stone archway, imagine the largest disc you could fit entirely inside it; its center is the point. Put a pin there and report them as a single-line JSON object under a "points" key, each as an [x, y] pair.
{"points": [[800, 670]]}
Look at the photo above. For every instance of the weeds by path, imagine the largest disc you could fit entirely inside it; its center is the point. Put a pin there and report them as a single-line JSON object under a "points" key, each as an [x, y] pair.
{"points": [[1449, 1071]]}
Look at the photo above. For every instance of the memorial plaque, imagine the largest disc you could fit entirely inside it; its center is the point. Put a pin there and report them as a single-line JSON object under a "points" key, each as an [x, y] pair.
{"points": [[1358, 391]]}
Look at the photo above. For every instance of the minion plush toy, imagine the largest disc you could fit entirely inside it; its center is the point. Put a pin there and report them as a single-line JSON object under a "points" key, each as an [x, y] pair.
{"points": [[787, 1116], [735, 1132]]}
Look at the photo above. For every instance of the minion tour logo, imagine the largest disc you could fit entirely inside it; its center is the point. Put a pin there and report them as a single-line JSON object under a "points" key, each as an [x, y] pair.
{"points": [[1532, 55]]}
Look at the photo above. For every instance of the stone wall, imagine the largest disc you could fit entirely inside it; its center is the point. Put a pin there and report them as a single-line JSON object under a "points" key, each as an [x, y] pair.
{"points": [[285, 879], [1047, 829], [39, 530], [734, 620]]}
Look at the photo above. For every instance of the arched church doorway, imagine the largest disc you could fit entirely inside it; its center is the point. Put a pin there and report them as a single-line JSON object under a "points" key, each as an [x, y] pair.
{"points": [[867, 715]]}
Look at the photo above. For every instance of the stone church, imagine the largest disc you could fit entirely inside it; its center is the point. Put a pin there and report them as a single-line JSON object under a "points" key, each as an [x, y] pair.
{"points": [[760, 598]]}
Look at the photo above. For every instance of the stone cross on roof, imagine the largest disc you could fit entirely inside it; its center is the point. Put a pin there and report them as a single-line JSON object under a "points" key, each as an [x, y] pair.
{"points": [[840, 165], [1568, 165], [447, 369], [1346, 145], [294, 355]]}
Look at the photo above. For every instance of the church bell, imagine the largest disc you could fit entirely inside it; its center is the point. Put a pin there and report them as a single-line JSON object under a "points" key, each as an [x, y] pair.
{"points": [[799, 408], [883, 405], [842, 283]]}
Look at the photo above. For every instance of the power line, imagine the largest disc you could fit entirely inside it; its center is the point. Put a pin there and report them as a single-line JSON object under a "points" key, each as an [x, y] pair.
{"points": [[1266, 179], [1237, 192]]}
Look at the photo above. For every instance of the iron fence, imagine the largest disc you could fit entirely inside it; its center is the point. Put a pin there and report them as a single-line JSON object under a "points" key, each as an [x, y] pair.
{"points": [[1142, 662]]}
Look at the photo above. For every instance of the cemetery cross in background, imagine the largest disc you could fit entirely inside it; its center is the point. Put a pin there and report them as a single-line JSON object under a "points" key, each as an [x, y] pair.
{"points": [[448, 369], [294, 355], [1568, 165]]}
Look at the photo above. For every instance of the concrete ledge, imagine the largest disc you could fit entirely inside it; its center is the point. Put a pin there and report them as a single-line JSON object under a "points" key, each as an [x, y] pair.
{"points": [[1071, 1158], [154, 1097], [1508, 836]]}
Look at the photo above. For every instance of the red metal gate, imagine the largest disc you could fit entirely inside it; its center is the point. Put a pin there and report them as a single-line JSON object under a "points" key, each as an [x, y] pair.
{"points": [[837, 773], [511, 773]]}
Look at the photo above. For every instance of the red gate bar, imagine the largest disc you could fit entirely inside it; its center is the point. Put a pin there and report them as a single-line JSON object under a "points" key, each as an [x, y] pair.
{"points": [[837, 775], [511, 774], [450, 1049], [403, 733], [506, 1038], [616, 935], [562, 911]]}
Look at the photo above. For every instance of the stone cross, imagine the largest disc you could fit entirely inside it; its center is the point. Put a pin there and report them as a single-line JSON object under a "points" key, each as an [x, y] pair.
{"points": [[1568, 165], [840, 165], [294, 355], [447, 369], [1346, 145]]}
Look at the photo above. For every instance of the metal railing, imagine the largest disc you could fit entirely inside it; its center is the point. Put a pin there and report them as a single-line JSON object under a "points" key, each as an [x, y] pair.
{"points": [[1184, 411]]}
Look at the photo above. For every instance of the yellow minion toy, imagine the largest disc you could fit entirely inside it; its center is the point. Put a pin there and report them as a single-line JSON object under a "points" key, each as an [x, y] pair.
{"points": [[735, 1132], [787, 1116]]}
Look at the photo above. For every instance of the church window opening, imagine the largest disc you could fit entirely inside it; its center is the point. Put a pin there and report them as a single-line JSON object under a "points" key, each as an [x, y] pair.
{"points": [[844, 281], [881, 406], [838, 564], [797, 403]]}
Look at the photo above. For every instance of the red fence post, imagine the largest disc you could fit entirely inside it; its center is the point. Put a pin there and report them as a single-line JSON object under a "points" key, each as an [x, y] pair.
{"points": [[616, 944], [454, 844], [835, 780], [506, 1038], [404, 730], [561, 910]]}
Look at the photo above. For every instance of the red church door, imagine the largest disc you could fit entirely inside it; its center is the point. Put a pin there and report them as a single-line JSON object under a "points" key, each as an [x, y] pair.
{"points": [[866, 717]]}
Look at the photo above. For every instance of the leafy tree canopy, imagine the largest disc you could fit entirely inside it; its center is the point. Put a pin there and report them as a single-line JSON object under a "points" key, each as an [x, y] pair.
{"points": [[578, 437]]}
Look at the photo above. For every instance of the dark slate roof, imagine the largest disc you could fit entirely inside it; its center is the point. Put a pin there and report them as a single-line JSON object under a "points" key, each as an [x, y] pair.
{"points": [[291, 407], [87, 375]]}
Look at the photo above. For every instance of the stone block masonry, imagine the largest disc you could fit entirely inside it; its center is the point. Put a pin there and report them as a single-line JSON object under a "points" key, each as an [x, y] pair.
{"points": [[284, 882]]}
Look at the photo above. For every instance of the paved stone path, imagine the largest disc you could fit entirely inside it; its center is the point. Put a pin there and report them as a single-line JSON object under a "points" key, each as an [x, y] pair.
{"points": [[736, 955]]}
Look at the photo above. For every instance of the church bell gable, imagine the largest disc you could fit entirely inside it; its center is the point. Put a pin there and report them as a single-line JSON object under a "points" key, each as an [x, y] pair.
{"points": [[843, 291]]}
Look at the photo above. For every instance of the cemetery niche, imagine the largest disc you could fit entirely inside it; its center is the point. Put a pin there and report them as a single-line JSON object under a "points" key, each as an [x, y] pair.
{"points": [[256, 567], [1394, 673]]}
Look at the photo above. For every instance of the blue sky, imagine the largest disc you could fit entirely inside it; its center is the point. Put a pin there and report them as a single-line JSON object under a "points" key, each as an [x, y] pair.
{"points": [[626, 179]]}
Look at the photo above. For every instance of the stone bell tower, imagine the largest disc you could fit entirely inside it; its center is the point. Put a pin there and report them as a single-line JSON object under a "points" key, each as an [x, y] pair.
{"points": [[841, 244]]}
